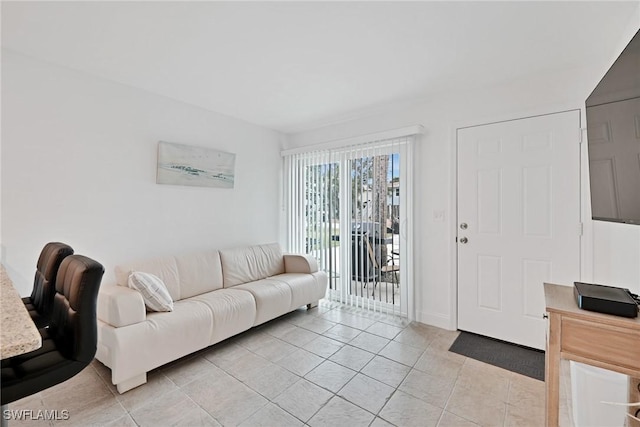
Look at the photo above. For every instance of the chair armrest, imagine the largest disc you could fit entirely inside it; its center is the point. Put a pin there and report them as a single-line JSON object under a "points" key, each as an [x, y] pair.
{"points": [[297, 263], [120, 306]]}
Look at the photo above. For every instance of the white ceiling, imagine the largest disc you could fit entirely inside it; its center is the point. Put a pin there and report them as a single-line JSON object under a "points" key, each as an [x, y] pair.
{"points": [[293, 66]]}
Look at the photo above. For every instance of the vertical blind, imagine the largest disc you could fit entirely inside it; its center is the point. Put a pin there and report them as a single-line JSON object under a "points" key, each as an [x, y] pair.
{"points": [[350, 207]]}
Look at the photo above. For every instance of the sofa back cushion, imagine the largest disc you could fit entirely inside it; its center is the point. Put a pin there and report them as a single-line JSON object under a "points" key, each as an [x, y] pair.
{"points": [[184, 275], [250, 263], [199, 272], [164, 268]]}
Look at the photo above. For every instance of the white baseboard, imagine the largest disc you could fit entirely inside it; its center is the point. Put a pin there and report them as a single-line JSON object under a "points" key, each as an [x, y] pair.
{"points": [[436, 319]]}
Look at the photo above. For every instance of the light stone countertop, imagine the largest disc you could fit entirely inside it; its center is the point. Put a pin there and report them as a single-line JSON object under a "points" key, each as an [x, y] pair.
{"points": [[18, 333]]}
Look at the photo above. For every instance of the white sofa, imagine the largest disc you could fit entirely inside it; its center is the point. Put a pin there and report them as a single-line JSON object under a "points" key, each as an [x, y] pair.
{"points": [[216, 294]]}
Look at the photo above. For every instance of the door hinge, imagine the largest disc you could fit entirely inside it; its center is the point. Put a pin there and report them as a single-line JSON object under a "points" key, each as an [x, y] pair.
{"points": [[581, 135], [581, 228]]}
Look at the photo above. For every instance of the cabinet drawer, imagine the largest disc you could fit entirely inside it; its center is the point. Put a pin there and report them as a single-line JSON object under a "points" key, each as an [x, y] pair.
{"points": [[609, 344]]}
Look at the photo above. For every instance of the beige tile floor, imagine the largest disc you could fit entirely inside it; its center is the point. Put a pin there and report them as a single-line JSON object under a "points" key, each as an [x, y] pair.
{"points": [[329, 366]]}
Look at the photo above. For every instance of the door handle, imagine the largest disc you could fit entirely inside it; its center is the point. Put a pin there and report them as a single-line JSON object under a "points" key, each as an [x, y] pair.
{"points": [[463, 240]]}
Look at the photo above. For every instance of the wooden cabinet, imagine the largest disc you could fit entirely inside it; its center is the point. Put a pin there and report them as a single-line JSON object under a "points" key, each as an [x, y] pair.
{"points": [[603, 340]]}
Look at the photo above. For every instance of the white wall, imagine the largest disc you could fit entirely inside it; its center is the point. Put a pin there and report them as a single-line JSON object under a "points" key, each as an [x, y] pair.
{"points": [[435, 258], [79, 165], [616, 255]]}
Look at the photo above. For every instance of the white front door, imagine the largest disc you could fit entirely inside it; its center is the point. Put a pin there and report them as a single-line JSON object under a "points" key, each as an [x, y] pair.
{"points": [[518, 222]]}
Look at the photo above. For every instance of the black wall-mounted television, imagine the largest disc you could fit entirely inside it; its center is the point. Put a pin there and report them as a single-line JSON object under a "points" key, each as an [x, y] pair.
{"points": [[613, 134]]}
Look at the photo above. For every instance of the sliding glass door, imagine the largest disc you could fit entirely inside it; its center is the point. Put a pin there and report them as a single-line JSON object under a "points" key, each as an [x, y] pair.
{"points": [[349, 209]]}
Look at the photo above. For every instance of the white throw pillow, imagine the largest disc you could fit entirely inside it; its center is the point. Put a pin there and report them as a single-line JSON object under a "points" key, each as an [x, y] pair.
{"points": [[154, 292]]}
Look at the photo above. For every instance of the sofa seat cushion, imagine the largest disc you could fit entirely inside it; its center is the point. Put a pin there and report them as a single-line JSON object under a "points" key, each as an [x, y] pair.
{"points": [[304, 288], [232, 311], [273, 298], [186, 322]]}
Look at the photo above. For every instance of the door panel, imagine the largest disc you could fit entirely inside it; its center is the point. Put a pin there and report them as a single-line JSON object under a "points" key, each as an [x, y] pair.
{"points": [[519, 194]]}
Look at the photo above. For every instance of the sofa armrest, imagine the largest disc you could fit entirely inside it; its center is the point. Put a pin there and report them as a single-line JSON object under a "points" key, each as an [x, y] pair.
{"points": [[297, 263], [120, 306]]}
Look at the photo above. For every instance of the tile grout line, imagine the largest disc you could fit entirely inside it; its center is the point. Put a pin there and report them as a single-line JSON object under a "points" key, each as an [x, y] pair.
{"points": [[451, 394]]}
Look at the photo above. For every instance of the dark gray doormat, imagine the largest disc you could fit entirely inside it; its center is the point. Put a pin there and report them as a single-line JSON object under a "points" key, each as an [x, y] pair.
{"points": [[512, 357]]}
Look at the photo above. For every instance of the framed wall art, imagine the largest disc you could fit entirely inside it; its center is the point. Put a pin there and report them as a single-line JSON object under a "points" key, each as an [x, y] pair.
{"points": [[180, 164]]}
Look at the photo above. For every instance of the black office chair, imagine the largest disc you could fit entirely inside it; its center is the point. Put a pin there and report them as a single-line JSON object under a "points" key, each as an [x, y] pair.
{"points": [[69, 342], [44, 283]]}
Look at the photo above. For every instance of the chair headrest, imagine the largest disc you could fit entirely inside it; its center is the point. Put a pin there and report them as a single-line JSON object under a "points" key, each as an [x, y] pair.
{"points": [[79, 276], [50, 258]]}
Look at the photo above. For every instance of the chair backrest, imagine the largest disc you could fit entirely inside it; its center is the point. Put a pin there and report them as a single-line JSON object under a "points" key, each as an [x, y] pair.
{"points": [[73, 324], [44, 283]]}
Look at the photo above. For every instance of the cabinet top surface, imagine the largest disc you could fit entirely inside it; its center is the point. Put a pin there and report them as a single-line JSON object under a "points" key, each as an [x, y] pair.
{"points": [[560, 299]]}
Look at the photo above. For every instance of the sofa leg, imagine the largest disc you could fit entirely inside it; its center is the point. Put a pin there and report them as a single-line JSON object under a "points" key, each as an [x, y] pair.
{"points": [[312, 305], [131, 383]]}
